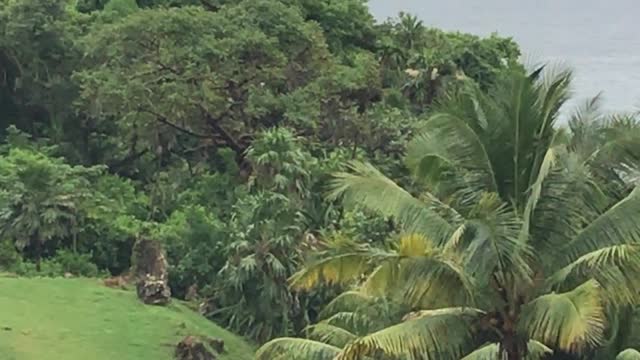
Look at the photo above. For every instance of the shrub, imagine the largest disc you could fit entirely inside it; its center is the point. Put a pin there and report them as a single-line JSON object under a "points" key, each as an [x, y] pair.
{"points": [[10, 258], [63, 262], [195, 242], [76, 264], [49, 268]]}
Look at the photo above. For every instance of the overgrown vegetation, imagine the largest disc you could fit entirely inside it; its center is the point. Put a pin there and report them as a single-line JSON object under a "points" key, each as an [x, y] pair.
{"points": [[250, 137]]}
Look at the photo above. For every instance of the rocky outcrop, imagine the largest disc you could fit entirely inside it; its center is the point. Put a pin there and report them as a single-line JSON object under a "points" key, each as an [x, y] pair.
{"points": [[199, 348], [153, 291], [207, 307], [150, 269], [217, 345]]}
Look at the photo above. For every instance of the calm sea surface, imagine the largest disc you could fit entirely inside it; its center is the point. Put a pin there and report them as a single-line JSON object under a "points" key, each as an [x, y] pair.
{"points": [[599, 39]]}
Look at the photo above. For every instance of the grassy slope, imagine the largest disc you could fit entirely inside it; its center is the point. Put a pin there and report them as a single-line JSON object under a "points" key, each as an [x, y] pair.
{"points": [[79, 319]]}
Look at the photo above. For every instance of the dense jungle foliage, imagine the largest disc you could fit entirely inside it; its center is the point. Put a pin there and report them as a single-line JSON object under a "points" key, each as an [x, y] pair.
{"points": [[330, 186]]}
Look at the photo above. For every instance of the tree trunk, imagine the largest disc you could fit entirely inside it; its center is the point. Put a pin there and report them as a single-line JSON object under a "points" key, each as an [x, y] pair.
{"points": [[38, 248], [514, 355], [513, 347]]}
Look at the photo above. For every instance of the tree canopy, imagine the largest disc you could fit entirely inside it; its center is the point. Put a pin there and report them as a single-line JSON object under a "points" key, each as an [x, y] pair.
{"points": [[328, 185]]}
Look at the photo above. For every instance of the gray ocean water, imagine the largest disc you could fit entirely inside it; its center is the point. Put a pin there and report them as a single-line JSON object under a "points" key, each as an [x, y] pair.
{"points": [[599, 40]]}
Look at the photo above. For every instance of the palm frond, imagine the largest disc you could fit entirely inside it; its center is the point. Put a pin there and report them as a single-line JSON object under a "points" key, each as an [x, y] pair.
{"points": [[456, 239], [435, 312], [554, 92], [522, 111], [587, 113], [585, 123], [536, 351], [366, 186], [419, 274], [487, 352], [446, 143], [383, 279], [339, 269], [571, 321], [296, 349], [330, 334], [629, 354], [448, 334], [548, 163], [560, 203], [616, 226], [496, 242], [414, 245], [360, 322], [348, 301], [616, 267], [434, 281], [446, 211]]}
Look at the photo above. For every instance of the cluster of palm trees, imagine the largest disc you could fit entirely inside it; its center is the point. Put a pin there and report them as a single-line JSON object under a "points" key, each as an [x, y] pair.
{"points": [[522, 243]]}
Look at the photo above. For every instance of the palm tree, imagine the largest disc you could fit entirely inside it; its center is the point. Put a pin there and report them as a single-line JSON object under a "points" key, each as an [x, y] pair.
{"points": [[409, 30], [523, 239]]}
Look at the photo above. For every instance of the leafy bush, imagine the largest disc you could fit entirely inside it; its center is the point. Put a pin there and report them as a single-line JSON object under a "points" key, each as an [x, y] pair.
{"points": [[10, 259], [363, 226], [76, 264], [63, 262], [195, 242], [48, 268]]}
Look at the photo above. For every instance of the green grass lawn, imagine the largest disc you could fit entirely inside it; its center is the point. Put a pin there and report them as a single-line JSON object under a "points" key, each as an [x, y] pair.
{"points": [[80, 319]]}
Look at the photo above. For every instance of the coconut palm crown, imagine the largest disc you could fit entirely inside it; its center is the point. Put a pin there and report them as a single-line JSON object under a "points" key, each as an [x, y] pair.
{"points": [[523, 240]]}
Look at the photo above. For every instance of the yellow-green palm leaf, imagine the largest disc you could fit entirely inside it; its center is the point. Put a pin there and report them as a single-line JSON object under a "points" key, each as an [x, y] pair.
{"points": [[356, 322], [348, 301], [615, 267], [415, 245], [434, 281], [339, 269], [442, 335], [536, 351], [330, 334], [629, 354], [386, 277], [296, 349], [417, 273], [571, 321]]}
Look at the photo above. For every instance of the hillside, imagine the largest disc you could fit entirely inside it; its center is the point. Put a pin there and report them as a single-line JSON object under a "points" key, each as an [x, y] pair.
{"points": [[78, 319]]}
